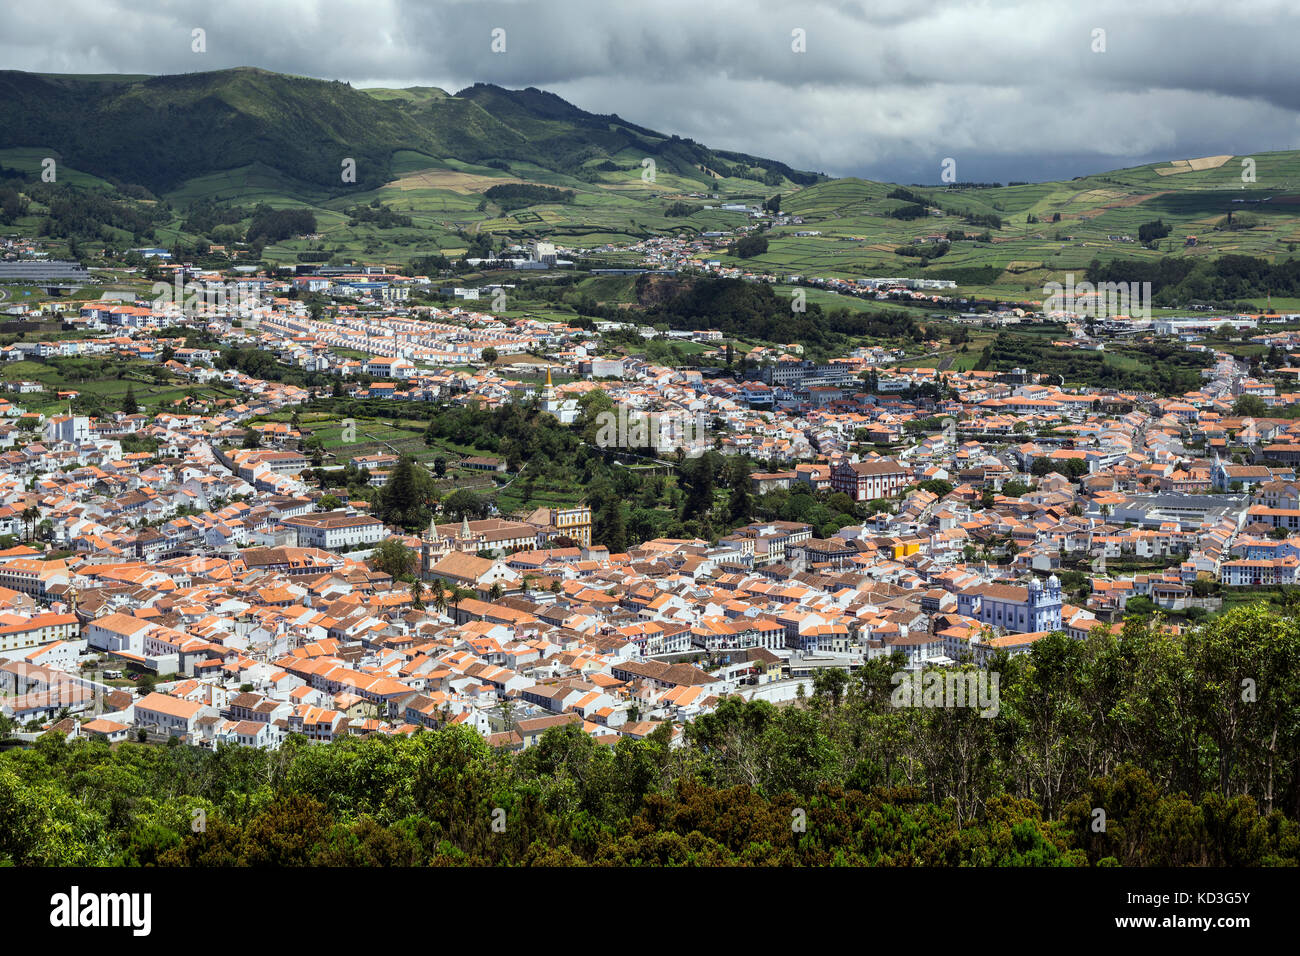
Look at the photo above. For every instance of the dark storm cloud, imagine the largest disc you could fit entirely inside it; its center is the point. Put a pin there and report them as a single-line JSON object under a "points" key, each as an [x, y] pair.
{"points": [[885, 89]]}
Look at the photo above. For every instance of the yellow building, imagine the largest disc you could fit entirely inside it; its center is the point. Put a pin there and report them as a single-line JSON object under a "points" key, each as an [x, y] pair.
{"points": [[572, 523], [902, 549]]}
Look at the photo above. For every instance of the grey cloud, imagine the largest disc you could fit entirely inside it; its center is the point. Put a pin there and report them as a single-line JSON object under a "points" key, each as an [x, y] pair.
{"points": [[885, 89]]}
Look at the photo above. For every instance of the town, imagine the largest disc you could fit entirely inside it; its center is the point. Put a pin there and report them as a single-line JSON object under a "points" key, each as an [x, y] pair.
{"points": [[220, 568], [443, 440]]}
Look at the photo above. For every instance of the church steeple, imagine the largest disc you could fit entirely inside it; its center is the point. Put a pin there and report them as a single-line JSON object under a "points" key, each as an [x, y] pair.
{"points": [[432, 547], [549, 403]]}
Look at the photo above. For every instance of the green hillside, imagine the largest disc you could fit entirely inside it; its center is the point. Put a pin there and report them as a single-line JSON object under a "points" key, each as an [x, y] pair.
{"points": [[245, 137], [159, 132], [1045, 229], [187, 160]]}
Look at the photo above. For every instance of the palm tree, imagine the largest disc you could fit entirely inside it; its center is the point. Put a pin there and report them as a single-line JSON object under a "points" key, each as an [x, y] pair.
{"points": [[458, 594], [417, 594], [495, 592], [30, 516], [439, 596]]}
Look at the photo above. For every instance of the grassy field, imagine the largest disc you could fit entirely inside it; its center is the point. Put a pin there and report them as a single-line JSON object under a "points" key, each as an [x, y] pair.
{"points": [[829, 300], [1047, 230], [30, 160], [960, 358], [443, 199], [406, 437], [150, 394], [858, 236]]}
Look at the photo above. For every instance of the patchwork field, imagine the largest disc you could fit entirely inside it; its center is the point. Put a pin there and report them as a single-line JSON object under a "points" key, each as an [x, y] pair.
{"points": [[1007, 238]]}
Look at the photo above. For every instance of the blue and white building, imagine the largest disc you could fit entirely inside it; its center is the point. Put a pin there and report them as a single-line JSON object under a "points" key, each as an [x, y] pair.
{"points": [[1021, 610]]}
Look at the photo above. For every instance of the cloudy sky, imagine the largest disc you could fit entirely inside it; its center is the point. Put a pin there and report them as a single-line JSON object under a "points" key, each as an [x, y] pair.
{"points": [[885, 89]]}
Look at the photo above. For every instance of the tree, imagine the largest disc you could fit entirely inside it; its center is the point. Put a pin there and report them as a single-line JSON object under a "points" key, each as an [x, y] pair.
{"points": [[496, 591], [829, 684], [330, 503], [1151, 231], [42, 824], [459, 594], [594, 407], [439, 595], [31, 515], [750, 246], [286, 832], [129, 405], [1016, 488], [1139, 604], [252, 437], [1250, 406], [698, 475], [464, 503], [407, 497], [611, 527], [489, 355], [395, 559], [1069, 467], [740, 504], [936, 486]]}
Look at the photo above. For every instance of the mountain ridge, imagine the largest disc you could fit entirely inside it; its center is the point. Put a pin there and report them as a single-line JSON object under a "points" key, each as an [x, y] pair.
{"points": [[470, 170], [195, 124]]}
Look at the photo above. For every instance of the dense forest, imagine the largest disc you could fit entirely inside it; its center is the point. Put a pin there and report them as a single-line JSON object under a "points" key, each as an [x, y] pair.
{"points": [[511, 196], [756, 310], [751, 310], [1166, 369], [273, 225], [75, 211], [627, 506], [1179, 282], [919, 205], [1138, 748], [380, 215]]}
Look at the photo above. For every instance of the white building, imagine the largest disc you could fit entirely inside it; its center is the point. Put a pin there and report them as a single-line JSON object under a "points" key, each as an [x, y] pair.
{"points": [[335, 529]]}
